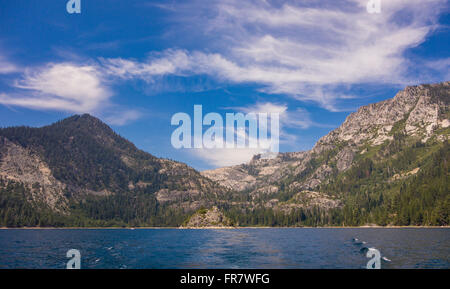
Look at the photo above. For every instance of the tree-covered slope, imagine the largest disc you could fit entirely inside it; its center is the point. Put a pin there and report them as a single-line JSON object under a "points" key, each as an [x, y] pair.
{"points": [[82, 151], [387, 164], [79, 172]]}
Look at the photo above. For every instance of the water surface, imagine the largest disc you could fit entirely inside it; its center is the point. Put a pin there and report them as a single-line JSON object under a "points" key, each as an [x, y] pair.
{"points": [[238, 248]]}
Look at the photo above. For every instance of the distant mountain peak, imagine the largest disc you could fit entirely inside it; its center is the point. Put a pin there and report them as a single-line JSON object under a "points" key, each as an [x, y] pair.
{"points": [[84, 119], [89, 126], [416, 114], [81, 159]]}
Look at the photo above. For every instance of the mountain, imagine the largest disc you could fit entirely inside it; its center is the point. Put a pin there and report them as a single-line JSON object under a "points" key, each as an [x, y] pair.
{"points": [[79, 172], [387, 164]]}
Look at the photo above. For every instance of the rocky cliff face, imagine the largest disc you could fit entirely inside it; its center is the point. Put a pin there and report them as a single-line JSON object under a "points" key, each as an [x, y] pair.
{"points": [[422, 108], [18, 164], [420, 113]]}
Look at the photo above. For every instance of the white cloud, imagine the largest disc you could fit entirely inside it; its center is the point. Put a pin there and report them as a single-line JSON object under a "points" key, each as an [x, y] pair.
{"points": [[122, 117], [225, 157], [301, 50], [305, 50], [68, 87], [6, 67], [440, 66], [298, 50], [299, 118], [63, 86], [168, 62]]}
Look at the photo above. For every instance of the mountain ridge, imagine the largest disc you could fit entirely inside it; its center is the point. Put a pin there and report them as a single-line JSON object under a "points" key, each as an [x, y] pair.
{"points": [[413, 123], [405, 101], [81, 158], [387, 164]]}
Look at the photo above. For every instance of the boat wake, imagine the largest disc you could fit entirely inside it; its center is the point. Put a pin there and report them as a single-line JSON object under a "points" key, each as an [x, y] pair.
{"points": [[364, 248]]}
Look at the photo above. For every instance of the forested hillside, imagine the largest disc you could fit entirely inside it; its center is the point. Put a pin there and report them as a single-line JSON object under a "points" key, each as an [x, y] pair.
{"points": [[78, 172], [387, 164]]}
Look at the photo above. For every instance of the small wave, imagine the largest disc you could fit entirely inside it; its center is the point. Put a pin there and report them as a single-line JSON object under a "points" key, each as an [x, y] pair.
{"points": [[358, 242]]}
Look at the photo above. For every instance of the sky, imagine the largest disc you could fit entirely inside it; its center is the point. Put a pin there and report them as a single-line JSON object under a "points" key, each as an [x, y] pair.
{"points": [[134, 64]]}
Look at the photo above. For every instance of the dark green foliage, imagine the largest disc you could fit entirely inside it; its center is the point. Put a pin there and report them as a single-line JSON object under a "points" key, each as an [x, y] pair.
{"points": [[131, 209], [369, 190], [137, 208], [84, 152], [16, 210], [373, 195]]}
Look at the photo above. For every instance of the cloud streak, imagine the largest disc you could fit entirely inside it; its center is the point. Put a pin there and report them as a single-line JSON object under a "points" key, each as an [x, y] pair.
{"points": [[68, 87], [7, 67], [305, 50], [63, 86], [302, 51]]}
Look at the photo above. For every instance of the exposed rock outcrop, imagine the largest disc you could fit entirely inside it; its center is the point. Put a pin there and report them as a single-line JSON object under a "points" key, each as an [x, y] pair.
{"points": [[81, 156], [419, 112], [205, 218]]}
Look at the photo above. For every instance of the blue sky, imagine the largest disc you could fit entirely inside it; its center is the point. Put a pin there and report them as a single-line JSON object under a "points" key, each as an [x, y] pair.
{"points": [[136, 63]]}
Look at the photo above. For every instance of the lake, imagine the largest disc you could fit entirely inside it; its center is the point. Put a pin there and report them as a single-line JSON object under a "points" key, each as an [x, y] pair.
{"points": [[230, 249]]}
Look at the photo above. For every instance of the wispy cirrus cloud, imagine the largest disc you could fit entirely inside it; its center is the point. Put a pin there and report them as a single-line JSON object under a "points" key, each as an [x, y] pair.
{"points": [[122, 116], [304, 50], [441, 65], [7, 67], [298, 118], [167, 62]]}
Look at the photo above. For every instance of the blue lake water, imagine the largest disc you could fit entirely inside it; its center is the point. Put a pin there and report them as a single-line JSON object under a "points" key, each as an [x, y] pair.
{"points": [[238, 248]]}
